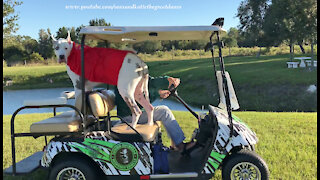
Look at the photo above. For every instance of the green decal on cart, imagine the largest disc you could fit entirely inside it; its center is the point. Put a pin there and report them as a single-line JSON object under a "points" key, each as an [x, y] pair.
{"points": [[124, 156]]}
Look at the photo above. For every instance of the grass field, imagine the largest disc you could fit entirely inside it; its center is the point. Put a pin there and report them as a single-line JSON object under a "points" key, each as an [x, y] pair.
{"points": [[287, 142], [261, 84]]}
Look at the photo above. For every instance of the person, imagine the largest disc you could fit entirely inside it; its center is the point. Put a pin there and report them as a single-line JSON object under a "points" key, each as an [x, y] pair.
{"points": [[157, 86]]}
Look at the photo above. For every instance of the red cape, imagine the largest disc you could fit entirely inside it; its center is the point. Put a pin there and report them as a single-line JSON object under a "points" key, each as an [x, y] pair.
{"points": [[101, 64]]}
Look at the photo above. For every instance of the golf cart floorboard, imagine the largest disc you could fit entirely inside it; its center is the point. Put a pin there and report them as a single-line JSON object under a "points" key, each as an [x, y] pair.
{"points": [[27, 165]]}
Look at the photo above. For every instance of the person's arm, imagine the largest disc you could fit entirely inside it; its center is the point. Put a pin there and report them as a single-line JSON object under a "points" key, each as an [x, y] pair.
{"points": [[155, 84], [158, 86]]}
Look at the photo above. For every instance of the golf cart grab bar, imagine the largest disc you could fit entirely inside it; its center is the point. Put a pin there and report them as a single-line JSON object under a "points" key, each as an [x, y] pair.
{"points": [[13, 135]]}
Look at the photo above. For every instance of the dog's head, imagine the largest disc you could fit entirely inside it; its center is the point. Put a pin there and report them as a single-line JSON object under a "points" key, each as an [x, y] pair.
{"points": [[62, 48]]}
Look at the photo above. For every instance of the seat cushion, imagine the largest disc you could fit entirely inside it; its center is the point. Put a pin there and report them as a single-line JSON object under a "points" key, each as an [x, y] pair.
{"points": [[147, 132], [100, 102], [64, 122]]}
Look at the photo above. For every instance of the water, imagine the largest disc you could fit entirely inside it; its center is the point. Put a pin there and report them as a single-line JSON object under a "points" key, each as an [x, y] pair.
{"points": [[12, 100]]}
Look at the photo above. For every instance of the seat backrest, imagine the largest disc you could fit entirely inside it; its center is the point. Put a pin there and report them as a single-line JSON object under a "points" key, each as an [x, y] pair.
{"points": [[98, 103]]}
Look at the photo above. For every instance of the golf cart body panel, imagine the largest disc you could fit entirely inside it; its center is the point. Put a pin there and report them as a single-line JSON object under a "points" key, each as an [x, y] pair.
{"points": [[143, 33], [106, 153], [242, 137]]}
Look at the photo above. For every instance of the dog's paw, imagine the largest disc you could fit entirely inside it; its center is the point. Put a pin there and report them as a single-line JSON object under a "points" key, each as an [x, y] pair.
{"points": [[128, 128], [150, 123]]}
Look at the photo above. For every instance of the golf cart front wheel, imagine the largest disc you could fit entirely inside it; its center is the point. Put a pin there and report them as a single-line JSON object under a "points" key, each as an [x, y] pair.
{"points": [[75, 169], [245, 165]]}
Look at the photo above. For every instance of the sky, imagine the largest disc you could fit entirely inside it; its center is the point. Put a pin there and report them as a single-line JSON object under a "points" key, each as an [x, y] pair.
{"points": [[53, 14]]}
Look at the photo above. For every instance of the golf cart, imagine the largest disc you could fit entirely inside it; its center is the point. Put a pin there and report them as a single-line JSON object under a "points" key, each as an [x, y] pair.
{"points": [[87, 146]]}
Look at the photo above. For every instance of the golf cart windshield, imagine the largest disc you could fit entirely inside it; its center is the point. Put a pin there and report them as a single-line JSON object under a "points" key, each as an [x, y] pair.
{"points": [[143, 33]]}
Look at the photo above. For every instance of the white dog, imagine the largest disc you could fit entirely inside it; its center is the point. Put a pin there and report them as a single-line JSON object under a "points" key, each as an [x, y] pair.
{"points": [[105, 65]]}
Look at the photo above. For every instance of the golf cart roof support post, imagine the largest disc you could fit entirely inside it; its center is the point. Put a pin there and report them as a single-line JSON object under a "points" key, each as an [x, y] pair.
{"points": [[225, 87], [108, 87], [213, 61], [82, 79]]}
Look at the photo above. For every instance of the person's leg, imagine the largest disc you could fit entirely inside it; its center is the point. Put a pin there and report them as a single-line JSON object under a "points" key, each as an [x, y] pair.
{"points": [[174, 131], [163, 114]]}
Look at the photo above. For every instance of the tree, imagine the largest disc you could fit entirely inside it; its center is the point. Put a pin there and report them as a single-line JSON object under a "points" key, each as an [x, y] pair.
{"points": [[291, 21], [13, 53], [100, 22], [231, 39], [147, 46], [10, 17], [63, 33], [30, 45], [45, 44], [251, 14], [311, 26]]}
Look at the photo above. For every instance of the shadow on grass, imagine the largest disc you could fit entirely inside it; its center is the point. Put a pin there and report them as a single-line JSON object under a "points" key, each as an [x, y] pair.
{"points": [[40, 174]]}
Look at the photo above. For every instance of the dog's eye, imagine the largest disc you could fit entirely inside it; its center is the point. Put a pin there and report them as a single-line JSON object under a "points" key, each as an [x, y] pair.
{"points": [[57, 48], [66, 48]]}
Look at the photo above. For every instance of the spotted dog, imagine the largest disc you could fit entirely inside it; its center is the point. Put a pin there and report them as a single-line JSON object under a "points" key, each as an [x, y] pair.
{"points": [[110, 66]]}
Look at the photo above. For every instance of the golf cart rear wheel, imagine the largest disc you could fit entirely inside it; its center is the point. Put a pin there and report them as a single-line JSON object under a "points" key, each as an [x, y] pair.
{"points": [[73, 169], [245, 165]]}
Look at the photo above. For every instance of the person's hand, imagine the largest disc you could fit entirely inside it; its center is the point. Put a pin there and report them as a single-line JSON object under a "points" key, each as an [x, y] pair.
{"points": [[164, 94], [174, 81]]}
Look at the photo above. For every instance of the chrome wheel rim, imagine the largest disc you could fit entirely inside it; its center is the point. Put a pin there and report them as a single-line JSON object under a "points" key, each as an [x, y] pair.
{"points": [[245, 171], [70, 173]]}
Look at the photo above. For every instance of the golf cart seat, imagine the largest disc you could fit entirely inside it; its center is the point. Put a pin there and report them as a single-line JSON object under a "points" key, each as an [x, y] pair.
{"points": [[100, 103], [64, 122], [148, 133]]}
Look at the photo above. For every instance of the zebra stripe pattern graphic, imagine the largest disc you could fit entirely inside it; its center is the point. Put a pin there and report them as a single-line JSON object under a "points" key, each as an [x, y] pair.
{"points": [[98, 147], [242, 136]]}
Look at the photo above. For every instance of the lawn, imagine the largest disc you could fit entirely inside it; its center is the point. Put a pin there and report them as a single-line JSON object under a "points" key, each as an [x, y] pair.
{"points": [[287, 141], [261, 84]]}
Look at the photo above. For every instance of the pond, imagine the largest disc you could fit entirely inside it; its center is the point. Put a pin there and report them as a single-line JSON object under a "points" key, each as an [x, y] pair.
{"points": [[12, 100]]}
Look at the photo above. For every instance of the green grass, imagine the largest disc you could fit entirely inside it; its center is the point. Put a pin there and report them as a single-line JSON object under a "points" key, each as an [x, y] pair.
{"points": [[287, 141], [261, 84]]}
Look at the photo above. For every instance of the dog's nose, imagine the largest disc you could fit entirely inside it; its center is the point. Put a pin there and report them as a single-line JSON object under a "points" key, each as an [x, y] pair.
{"points": [[61, 56]]}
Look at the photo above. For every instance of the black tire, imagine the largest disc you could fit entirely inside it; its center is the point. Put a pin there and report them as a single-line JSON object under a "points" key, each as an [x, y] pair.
{"points": [[76, 166], [247, 161]]}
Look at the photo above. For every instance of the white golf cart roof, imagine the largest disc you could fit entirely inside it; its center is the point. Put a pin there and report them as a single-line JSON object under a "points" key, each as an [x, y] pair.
{"points": [[142, 33]]}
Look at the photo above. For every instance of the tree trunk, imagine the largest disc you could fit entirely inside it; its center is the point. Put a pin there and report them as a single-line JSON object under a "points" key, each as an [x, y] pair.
{"points": [[302, 49], [312, 50], [292, 48], [291, 52], [259, 52]]}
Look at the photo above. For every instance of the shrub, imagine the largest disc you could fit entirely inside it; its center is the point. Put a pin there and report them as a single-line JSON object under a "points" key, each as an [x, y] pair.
{"points": [[15, 59], [36, 58], [159, 53]]}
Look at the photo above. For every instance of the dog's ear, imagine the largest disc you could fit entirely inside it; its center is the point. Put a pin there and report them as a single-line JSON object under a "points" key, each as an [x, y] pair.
{"points": [[52, 37], [69, 37]]}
